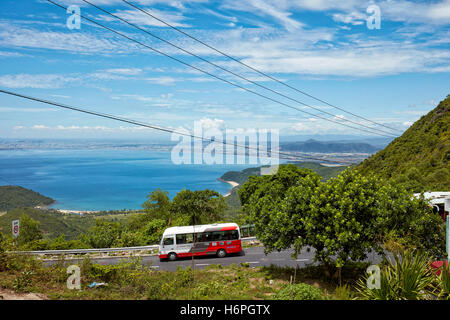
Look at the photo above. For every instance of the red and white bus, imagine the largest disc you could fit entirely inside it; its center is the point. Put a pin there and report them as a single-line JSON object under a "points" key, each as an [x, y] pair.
{"points": [[209, 239]]}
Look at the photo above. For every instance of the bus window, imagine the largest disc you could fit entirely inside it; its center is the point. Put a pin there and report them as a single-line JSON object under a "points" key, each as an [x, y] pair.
{"points": [[168, 241], [218, 235], [181, 238], [234, 235], [189, 238], [207, 236]]}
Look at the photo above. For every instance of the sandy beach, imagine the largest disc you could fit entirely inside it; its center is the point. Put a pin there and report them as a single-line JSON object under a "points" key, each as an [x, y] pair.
{"points": [[75, 211], [80, 212], [232, 183]]}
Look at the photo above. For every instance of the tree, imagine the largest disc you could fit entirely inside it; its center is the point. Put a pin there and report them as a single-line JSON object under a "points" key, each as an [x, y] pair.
{"points": [[158, 205], [103, 234], [411, 221], [153, 231], [201, 207], [344, 222], [343, 219], [29, 230], [276, 203]]}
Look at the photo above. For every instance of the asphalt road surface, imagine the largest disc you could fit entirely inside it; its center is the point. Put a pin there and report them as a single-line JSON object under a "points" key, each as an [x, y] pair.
{"points": [[254, 256]]}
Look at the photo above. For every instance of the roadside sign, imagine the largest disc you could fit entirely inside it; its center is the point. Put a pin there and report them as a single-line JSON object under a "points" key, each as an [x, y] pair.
{"points": [[15, 228]]}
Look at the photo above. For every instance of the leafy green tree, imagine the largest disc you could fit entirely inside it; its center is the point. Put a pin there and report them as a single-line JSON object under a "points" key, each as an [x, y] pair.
{"points": [[130, 239], [344, 221], [153, 231], [276, 204], [411, 221], [103, 234], [158, 205], [29, 230], [203, 206]]}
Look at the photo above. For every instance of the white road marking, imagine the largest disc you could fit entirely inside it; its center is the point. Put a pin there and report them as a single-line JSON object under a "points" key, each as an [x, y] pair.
{"points": [[202, 264], [302, 260], [254, 262]]}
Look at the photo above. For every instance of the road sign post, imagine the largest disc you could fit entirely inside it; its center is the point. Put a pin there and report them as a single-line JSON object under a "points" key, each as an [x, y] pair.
{"points": [[15, 230]]}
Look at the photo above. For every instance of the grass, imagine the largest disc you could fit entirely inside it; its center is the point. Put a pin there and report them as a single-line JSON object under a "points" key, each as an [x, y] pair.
{"points": [[130, 280]]}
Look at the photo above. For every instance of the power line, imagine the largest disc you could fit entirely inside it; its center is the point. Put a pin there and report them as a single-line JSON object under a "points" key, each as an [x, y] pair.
{"points": [[161, 128], [227, 70], [214, 76], [254, 69]]}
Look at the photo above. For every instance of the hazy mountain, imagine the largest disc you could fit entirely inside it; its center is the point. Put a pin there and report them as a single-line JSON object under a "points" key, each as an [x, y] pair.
{"points": [[328, 147]]}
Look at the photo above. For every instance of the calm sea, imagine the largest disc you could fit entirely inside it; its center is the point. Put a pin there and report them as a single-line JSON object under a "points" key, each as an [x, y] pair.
{"points": [[105, 179]]}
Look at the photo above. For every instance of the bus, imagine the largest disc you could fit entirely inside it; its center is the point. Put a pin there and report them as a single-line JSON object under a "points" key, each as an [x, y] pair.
{"points": [[200, 240]]}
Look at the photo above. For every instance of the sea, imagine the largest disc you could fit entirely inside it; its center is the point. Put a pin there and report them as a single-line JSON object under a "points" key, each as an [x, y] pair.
{"points": [[102, 179]]}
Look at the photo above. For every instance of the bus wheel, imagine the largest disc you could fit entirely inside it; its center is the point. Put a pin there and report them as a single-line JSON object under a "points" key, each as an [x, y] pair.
{"points": [[221, 253], [172, 256]]}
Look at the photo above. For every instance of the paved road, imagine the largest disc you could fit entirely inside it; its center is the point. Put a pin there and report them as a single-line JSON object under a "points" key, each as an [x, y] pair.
{"points": [[254, 256]]}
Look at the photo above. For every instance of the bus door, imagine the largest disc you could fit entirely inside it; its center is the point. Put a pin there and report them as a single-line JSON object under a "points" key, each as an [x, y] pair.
{"points": [[168, 243]]}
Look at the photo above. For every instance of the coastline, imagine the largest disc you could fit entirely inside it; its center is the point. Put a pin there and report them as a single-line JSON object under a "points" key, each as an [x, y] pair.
{"points": [[233, 184], [66, 211], [79, 212]]}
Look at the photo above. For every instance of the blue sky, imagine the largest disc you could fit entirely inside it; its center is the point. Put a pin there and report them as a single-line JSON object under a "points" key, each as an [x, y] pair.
{"points": [[392, 75]]}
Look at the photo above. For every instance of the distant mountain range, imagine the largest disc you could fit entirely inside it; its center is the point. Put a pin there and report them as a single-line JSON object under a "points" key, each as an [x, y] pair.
{"points": [[420, 158], [328, 147]]}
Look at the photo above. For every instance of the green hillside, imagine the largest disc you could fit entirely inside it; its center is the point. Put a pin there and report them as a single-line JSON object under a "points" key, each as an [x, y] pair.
{"points": [[420, 158], [18, 197], [52, 223]]}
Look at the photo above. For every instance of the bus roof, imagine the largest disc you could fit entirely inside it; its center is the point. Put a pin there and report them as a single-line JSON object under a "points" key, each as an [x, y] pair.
{"points": [[201, 228]]}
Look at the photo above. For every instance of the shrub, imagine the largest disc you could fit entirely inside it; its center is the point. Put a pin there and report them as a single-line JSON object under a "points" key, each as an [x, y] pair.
{"points": [[344, 293], [442, 282], [301, 291], [209, 289], [22, 282], [406, 277]]}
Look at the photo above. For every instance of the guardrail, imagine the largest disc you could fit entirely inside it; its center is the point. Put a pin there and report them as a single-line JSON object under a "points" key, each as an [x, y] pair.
{"points": [[100, 250]]}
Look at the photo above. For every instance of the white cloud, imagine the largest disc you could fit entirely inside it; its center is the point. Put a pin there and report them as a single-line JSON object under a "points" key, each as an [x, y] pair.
{"points": [[76, 128], [266, 8], [12, 36], [10, 109], [141, 19], [208, 123], [40, 127], [165, 80], [354, 18], [125, 71], [41, 81], [11, 54]]}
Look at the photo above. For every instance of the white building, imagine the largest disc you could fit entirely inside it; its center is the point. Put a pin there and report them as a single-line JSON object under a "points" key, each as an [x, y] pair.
{"points": [[439, 199]]}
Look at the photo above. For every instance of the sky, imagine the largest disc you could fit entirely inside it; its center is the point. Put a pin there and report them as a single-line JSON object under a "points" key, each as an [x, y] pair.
{"points": [[391, 73]]}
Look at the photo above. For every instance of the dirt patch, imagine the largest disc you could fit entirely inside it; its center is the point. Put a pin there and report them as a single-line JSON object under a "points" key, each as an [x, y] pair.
{"points": [[6, 294]]}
